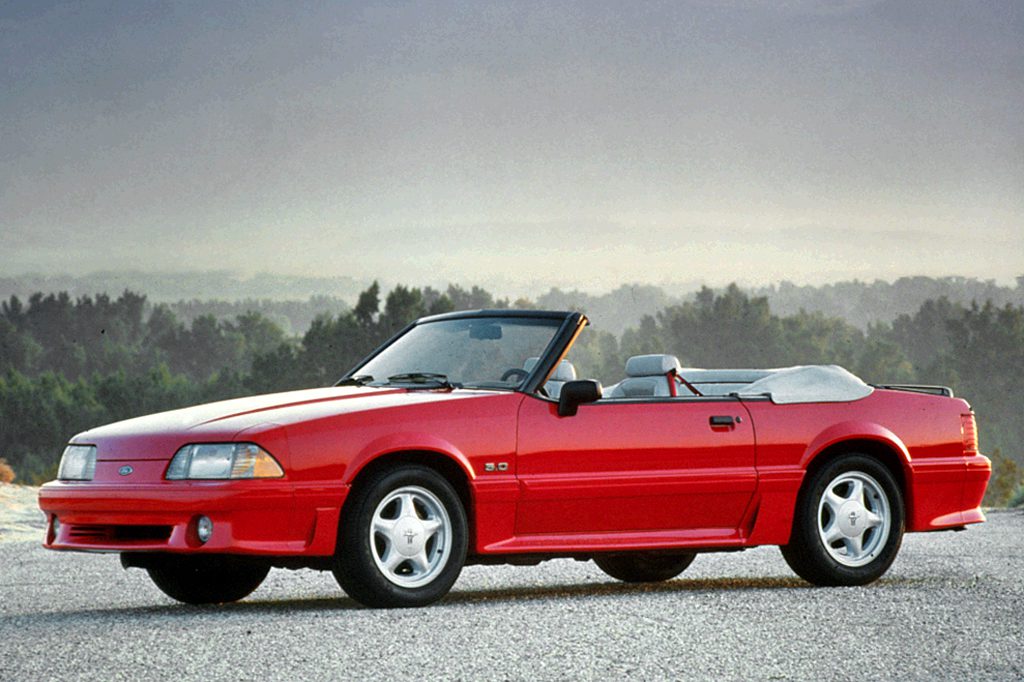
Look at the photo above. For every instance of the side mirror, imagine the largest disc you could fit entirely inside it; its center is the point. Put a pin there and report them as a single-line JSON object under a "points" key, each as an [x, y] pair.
{"points": [[575, 393]]}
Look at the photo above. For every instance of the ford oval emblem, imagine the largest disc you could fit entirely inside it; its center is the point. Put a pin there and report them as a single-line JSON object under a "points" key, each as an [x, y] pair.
{"points": [[125, 470]]}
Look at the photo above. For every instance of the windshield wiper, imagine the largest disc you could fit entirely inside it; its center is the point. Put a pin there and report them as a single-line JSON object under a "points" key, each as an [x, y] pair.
{"points": [[426, 378], [357, 380]]}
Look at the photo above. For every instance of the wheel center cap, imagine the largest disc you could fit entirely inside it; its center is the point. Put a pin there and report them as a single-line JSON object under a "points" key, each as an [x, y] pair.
{"points": [[409, 537], [852, 519]]}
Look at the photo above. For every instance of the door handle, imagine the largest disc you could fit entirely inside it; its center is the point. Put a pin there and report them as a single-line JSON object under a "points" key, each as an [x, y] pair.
{"points": [[721, 420]]}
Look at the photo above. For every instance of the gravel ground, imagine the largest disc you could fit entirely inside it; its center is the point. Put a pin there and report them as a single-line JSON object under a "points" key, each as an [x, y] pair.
{"points": [[20, 518], [952, 607]]}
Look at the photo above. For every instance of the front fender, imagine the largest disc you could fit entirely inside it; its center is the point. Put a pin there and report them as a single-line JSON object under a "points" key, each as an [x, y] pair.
{"points": [[406, 442]]}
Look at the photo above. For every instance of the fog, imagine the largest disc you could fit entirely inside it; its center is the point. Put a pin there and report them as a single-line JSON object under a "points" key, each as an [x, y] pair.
{"points": [[515, 145]]}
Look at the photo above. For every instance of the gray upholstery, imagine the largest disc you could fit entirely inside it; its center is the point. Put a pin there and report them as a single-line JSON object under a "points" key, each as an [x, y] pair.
{"points": [[564, 371], [646, 377], [640, 387], [651, 365]]}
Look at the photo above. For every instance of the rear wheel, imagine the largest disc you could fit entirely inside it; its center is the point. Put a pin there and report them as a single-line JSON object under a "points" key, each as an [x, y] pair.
{"points": [[207, 580], [403, 539], [643, 567], [848, 525]]}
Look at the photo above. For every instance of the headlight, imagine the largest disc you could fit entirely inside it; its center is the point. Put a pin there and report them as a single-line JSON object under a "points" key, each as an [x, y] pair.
{"points": [[212, 461], [78, 463]]}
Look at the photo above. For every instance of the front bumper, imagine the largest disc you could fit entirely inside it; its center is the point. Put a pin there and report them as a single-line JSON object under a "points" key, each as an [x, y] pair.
{"points": [[259, 517]]}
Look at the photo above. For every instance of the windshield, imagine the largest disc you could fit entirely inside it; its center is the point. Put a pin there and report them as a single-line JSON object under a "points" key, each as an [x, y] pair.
{"points": [[476, 352]]}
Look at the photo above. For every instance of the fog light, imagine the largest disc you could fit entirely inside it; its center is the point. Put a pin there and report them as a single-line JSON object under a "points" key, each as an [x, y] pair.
{"points": [[54, 528], [204, 528]]}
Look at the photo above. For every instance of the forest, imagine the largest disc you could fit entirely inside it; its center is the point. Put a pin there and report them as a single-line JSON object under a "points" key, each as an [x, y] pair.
{"points": [[67, 364], [293, 301]]}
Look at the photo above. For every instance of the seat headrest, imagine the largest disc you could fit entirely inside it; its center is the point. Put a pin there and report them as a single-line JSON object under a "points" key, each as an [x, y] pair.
{"points": [[651, 365], [564, 371]]}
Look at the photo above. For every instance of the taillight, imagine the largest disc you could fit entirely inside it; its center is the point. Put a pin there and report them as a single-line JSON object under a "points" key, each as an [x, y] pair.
{"points": [[969, 429]]}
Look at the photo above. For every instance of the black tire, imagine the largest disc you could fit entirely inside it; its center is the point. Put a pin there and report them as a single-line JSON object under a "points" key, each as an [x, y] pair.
{"points": [[644, 567], [360, 549], [822, 563], [207, 580]]}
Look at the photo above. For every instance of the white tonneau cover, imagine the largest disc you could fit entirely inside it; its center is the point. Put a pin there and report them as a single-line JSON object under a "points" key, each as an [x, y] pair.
{"points": [[808, 384]]}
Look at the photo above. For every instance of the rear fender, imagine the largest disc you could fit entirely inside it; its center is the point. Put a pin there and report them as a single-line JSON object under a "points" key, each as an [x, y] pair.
{"points": [[780, 490], [854, 431]]}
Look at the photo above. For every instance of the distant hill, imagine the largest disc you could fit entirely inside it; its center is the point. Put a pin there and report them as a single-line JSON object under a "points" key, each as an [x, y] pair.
{"points": [[293, 316], [861, 303], [293, 301], [615, 311], [166, 287]]}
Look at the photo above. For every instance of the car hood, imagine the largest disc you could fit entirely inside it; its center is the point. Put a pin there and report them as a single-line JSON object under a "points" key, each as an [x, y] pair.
{"points": [[158, 436]]}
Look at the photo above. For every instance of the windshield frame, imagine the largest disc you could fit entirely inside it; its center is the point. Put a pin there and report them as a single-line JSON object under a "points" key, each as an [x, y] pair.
{"points": [[558, 346]]}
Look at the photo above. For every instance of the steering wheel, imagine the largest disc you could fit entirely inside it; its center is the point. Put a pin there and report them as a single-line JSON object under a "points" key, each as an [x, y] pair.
{"points": [[515, 371]]}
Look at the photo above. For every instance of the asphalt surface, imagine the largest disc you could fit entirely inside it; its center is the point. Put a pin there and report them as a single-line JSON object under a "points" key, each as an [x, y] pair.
{"points": [[952, 607]]}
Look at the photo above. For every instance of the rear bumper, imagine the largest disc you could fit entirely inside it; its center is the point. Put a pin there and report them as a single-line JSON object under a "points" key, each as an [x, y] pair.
{"points": [[947, 492], [268, 518]]}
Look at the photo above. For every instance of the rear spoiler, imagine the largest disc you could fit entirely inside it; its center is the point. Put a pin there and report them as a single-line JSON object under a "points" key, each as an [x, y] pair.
{"points": [[918, 388]]}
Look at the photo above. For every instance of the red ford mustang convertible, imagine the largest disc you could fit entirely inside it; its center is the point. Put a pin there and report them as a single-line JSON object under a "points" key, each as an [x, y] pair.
{"points": [[467, 438]]}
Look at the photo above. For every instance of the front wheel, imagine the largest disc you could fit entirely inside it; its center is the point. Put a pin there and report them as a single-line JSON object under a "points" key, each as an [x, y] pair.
{"points": [[848, 524], [644, 567], [207, 580], [403, 539]]}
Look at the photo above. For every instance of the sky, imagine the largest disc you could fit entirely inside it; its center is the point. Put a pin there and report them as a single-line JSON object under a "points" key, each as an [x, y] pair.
{"points": [[517, 145]]}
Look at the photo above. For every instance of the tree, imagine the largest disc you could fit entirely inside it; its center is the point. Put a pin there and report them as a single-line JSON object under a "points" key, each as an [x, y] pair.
{"points": [[725, 330], [1007, 478], [985, 363], [402, 306], [473, 299], [368, 306], [923, 336], [331, 347], [277, 370], [18, 351], [258, 335], [882, 362]]}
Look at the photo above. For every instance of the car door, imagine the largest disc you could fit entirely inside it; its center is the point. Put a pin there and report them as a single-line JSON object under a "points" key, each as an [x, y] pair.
{"points": [[680, 464]]}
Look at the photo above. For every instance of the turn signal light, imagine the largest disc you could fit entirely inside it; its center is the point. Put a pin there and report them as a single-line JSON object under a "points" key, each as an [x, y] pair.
{"points": [[212, 461]]}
